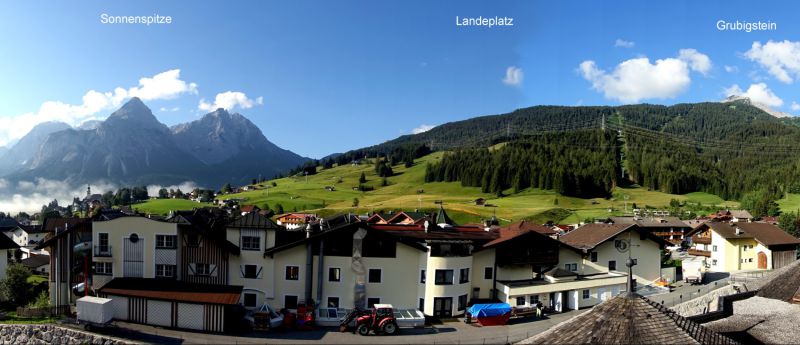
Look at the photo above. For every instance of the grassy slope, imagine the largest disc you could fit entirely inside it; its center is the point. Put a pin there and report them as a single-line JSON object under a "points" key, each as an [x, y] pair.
{"points": [[401, 194], [163, 206], [790, 203]]}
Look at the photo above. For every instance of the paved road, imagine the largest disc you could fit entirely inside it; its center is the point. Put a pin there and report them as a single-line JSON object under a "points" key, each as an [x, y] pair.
{"points": [[454, 332]]}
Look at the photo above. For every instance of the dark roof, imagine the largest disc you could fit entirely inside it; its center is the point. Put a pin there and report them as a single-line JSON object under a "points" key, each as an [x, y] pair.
{"points": [[253, 220], [36, 261], [590, 236], [249, 208], [30, 229], [415, 216], [173, 290], [628, 319], [517, 229], [443, 218], [8, 223], [784, 285], [765, 233], [7, 243], [58, 226]]}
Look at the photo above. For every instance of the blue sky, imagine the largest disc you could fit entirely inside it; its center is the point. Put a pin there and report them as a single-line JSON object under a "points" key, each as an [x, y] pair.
{"points": [[320, 77]]}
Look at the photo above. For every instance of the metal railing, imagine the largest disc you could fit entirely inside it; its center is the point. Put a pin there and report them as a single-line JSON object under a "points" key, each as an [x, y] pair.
{"points": [[102, 251]]}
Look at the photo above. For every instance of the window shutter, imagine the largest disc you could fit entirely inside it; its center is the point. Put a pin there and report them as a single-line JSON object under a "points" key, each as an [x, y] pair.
{"points": [[258, 273], [191, 269], [212, 269], [241, 270]]}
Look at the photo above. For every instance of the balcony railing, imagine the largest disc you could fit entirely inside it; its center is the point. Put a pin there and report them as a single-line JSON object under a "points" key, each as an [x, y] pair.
{"points": [[699, 252], [102, 251], [701, 240]]}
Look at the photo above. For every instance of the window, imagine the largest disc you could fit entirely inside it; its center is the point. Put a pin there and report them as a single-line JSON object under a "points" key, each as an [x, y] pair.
{"points": [[421, 305], [372, 301], [250, 271], [488, 273], [744, 248], [290, 302], [374, 275], [103, 268], [463, 276], [333, 302], [521, 300], [165, 241], [586, 294], [202, 269], [612, 265], [251, 243], [292, 273], [422, 276], [534, 299], [462, 302], [334, 274], [714, 248], [102, 242], [250, 300], [713, 262], [571, 267], [444, 277], [165, 271]]}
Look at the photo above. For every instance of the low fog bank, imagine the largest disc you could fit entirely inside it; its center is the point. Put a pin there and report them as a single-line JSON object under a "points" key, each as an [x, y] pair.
{"points": [[30, 196]]}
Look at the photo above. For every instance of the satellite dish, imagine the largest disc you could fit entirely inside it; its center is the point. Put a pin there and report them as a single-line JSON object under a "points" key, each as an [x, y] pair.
{"points": [[622, 245]]}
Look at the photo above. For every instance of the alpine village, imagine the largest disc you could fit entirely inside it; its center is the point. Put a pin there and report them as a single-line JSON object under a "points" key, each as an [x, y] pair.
{"points": [[550, 224]]}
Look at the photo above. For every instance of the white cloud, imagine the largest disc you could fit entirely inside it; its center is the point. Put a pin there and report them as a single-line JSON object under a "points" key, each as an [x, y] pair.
{"points": [[230, 100], [759, 93], [165, 85], [731, 69], [623, 43], [29, 196], [169, 110], [780, 59], [795, 106], [636, 79], [514, 76], [422, 129], [697, 61], [186, 187]]}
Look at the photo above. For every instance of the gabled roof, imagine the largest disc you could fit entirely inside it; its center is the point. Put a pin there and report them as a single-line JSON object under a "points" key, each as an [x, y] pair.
{"points": [[253, 220], [741, 214], [517, 229], [377, 217], [249, 208], [765, 233], [650, 222], [590, 236], [208, 222], [443, 218], [59, 227], [628, 319], [7, 243], [414, 216]]}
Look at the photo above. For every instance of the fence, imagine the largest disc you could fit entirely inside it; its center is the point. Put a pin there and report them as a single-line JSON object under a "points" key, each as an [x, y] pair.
{"points": [[674, 298], [43, 311]]}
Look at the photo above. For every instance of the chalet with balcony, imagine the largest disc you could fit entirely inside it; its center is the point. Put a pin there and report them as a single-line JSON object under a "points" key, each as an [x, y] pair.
{"points": [[671, 229], [740, 246]]}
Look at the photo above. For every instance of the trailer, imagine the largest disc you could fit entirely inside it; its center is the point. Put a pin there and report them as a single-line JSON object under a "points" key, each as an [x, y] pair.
{"points": [[694, 269], [94, 312]]}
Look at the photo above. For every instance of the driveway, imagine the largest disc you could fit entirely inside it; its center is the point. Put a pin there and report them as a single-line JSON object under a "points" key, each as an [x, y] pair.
{"points": [[452, 332]]}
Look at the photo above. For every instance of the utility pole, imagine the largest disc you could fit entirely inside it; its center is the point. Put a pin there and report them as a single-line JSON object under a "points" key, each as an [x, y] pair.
{"points": [[603, 123]]}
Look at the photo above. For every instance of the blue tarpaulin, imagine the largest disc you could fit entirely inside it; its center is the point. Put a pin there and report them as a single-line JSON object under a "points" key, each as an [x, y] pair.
{"points": [[489, 309]]}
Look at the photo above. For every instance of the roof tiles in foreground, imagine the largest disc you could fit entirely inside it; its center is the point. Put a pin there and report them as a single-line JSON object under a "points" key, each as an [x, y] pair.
{"points": [[628, 319]]}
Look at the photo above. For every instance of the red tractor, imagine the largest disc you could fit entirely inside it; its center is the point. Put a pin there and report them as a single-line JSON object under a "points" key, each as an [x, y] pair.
{"points": [[380, 320]]}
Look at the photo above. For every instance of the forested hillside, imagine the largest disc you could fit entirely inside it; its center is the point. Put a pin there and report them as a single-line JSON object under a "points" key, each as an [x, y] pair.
{"points": [[733, 150]]}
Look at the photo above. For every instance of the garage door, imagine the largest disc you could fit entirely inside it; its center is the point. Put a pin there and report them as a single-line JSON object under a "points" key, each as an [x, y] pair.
{"points": [[190, 316], [120, 307], [159, 313]]}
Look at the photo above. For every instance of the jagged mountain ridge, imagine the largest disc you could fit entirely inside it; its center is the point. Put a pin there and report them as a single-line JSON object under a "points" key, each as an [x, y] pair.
{"points": [[131, 147]]}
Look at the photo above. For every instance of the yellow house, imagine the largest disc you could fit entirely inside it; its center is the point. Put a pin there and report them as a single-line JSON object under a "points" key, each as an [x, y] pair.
{"points": [[743, 246]]}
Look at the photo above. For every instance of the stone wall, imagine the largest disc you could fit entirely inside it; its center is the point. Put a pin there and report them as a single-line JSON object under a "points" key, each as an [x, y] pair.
{"points": [[708, 302], [51, 334]]}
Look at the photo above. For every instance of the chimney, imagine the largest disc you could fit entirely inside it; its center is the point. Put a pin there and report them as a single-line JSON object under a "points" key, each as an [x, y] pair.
{"points": [[427, 224], [739, 231]]}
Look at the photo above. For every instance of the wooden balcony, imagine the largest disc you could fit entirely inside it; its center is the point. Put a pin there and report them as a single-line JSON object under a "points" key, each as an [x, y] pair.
{"points": [[698, 252], [701, 240]]}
